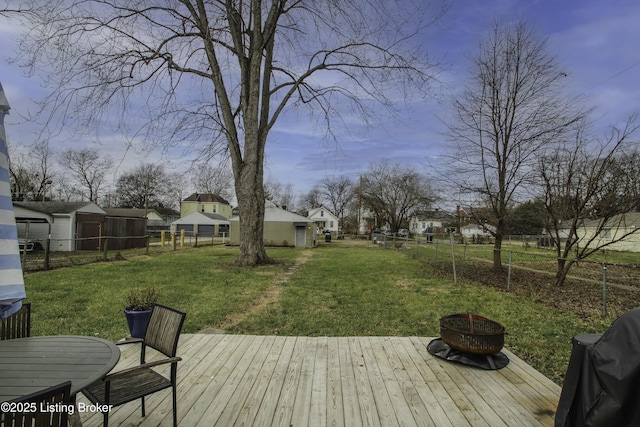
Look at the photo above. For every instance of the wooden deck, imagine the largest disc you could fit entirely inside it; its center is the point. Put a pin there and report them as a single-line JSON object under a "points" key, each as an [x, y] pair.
{"points": [[227, 380]]}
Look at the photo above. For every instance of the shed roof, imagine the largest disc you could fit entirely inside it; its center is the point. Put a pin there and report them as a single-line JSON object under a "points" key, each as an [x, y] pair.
{"points": [[57, 207], [272, 213], [130, 212]]}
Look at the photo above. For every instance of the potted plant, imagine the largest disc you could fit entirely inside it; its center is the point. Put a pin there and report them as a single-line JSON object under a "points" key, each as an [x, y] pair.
{"points": [[138, 310]]}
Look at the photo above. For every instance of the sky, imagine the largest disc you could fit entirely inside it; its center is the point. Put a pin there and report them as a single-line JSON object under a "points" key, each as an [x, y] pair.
{"points": [[594, 42]]}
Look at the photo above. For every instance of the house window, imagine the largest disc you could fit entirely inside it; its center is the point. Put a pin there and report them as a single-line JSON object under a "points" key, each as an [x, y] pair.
{"points": [[201, 208], [214, 209], [321, 213], [330, 224]]}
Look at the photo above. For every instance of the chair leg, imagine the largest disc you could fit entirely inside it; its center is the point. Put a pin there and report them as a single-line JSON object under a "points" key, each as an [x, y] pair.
{"points": [[143, 412], [175, 407], [105, 418]]}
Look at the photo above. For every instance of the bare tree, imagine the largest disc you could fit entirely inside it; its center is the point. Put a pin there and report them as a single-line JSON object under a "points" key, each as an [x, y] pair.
{"points": [[32, 175], [312, 199], [587, 183], [215, 178], [87, 168], [395, 192], [280, 194], [509, 113], [147, 186], [247, 60], [337, 193]]}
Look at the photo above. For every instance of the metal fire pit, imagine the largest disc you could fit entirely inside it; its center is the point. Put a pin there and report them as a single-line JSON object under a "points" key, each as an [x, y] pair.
{"points": [[471, 333]]}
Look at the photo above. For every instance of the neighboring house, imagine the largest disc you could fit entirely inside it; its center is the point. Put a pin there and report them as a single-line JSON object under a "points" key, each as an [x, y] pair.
{"points": [[616, 228], [71, 225], [202, 224], [430, 222], [324, 220], [475, 233], [366, 221], [281, 228], [205, 203]]}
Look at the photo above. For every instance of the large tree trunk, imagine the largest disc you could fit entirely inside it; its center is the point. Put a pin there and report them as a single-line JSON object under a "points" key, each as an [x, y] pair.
{"points": [[250, 194]]}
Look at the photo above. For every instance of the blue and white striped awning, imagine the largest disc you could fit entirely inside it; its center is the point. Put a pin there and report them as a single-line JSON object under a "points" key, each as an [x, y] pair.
{"points": [[11, 280]]}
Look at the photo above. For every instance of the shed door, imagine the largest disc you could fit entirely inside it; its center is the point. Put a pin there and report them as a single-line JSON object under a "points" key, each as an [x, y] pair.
{"points": [[301, 237]]}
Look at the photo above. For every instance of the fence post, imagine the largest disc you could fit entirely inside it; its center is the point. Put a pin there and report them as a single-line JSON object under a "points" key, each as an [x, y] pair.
{"points": [[604, 289], [453, 260], [106, 248], [173, 240], [435, 257], [47, 248], [148, 242], [182, 233], [464, 258], [162, 236], [509, 273]]}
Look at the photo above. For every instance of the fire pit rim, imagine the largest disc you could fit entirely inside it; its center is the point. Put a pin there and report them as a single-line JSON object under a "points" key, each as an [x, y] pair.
{"points": [[488, 339]]}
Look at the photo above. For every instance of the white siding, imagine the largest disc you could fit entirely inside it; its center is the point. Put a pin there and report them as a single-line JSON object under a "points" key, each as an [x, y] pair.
{"points": [[63, 233]]}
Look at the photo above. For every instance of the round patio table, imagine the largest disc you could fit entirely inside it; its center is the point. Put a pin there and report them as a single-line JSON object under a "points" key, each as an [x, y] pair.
{"points": [[28, 365]]}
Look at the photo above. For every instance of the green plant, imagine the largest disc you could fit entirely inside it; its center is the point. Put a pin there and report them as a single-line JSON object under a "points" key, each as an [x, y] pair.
{"points": [[141, 299]]}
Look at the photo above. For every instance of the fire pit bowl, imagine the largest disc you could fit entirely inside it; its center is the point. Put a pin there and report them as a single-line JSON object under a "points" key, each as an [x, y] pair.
{"points": [[472, 333]]}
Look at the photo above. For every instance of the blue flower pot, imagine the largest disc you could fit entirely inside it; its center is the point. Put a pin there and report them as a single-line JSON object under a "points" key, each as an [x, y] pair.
{"points": [[138, 321]]}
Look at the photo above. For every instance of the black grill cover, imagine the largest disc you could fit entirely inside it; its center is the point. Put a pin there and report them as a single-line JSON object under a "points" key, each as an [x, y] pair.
{"points": [[602, 383]]}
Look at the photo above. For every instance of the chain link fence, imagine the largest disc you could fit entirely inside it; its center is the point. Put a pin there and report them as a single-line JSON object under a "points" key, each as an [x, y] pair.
{"points": [[37, 255], [606, 276]]}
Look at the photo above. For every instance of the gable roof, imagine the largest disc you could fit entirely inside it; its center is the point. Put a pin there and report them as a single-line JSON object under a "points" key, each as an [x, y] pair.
{"points": [[315, 211], [273, 213], [206, 198], [626, 220], [202, 218], [56, 207]]}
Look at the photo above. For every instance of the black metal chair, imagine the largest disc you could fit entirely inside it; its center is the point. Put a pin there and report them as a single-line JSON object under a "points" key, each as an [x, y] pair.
{"points": [[57, 397], [139, 381], [18, 325]]}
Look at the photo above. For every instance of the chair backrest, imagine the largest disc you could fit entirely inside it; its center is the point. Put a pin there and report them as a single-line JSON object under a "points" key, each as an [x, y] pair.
{"points": [[57, 399], [18, 325], [164, 329]]}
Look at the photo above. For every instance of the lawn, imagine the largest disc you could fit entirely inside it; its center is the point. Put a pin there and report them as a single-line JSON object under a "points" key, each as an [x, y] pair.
{"points": [[337, 289]]}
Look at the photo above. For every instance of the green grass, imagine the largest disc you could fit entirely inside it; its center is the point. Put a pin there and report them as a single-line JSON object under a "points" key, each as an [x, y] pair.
{"points": [[341, 290]]}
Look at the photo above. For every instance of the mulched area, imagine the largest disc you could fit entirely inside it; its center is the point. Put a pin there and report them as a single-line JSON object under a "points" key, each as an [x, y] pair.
{"points": [[581, 294]]}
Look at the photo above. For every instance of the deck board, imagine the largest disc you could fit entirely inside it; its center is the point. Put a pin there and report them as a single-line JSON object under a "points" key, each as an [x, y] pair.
{"points": [[247, 380]]}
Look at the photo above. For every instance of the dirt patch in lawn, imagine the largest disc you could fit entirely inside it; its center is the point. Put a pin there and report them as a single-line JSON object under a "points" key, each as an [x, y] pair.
{"points": [[270, 295]]}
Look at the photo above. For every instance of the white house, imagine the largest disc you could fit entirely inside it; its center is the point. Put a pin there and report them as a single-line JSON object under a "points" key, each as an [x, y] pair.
{"points": [[615, 229], [324, 220], [431, 222]]}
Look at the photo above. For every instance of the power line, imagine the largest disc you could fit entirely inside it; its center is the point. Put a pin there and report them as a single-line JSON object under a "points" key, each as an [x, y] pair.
{"points": [[612, 77]]}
